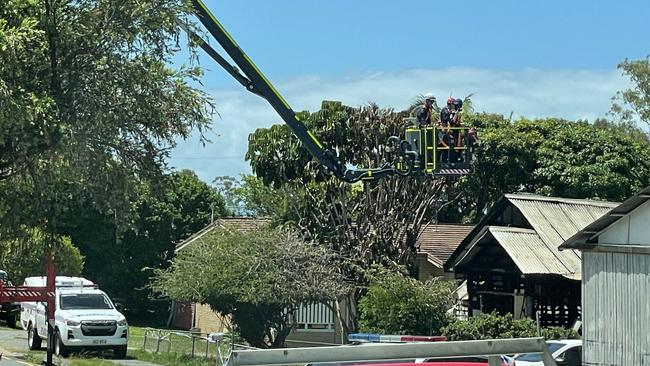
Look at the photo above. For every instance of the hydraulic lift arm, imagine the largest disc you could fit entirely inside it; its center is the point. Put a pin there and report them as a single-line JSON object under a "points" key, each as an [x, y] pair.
{"points": [[255, 82]]}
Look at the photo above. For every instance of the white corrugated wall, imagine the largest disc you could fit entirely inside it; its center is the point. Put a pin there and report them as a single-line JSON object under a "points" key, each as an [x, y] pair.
{"points": [[616, 309]]}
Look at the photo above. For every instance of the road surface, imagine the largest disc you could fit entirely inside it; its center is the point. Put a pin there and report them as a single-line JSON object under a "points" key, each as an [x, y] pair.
{"points": [[13, 344], [11, 361]]}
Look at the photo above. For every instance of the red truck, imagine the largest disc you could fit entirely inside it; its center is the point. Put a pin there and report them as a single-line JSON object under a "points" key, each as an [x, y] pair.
{"points": [[9, 311]]}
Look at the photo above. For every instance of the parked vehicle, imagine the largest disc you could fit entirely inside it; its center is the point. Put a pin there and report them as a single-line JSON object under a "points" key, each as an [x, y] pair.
{"points": [[9, 311], [434, 363], [85, 318], [567, 352], [505, 360], [440, 361]]}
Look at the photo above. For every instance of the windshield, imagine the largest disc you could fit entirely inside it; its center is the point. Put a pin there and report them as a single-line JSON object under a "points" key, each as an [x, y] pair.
{"points": [[84, 301], [536, 357]]}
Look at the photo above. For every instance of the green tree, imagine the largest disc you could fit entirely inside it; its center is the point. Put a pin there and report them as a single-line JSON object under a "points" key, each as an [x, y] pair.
{"points": [[257, 278], [91, 77], [579, 161], [121, 257], [626, 128], [89, 109], [367, 223], [87, 98], [551, 157], [227, 186], [398, 304], [262, 200], [633, 105], [26, 254]]}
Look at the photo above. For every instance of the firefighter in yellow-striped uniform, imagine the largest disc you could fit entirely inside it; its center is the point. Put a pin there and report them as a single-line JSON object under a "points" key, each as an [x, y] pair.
{"points": [[445, 135], [425, 111]]}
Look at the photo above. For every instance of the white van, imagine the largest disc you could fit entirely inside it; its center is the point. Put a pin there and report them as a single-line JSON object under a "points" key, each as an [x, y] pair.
{"points": [[85, 318]]}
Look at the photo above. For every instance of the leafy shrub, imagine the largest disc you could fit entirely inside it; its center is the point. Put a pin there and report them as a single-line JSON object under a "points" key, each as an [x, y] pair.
{"points": [[559, 333], [494, 326], [398, 304]]}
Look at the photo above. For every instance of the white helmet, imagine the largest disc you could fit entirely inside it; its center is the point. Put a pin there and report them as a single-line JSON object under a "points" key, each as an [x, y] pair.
{"points": [[429, 96]]}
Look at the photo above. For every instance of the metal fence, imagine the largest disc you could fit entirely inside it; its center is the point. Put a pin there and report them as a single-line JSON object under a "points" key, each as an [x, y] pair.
{"points": [[196, 344]]}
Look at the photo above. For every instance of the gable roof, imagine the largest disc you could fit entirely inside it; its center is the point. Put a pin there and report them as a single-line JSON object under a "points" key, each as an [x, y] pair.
{"points": [[438, 241], [552, 220], [526, 249], [591, 231], [245, 224]]}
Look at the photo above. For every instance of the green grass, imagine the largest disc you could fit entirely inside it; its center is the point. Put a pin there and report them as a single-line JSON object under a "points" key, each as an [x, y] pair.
{"points": [[165, 359], [180, 343], [169, 359], [136, 336], [179, 354], [35, 357]]}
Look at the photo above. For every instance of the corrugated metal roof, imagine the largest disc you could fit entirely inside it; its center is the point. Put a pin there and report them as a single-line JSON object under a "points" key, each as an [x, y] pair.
{"points": [[552, 219], [527, 250], [244, 224], [556, 220], [589, 232], [438, 241]]}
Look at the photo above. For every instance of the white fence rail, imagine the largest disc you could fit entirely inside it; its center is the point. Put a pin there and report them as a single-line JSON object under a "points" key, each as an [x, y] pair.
{"points": [[492, 348], [314, 317]]}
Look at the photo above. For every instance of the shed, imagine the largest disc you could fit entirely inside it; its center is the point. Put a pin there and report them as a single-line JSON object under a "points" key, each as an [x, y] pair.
{"points": [[616, 284], [512, 263]]}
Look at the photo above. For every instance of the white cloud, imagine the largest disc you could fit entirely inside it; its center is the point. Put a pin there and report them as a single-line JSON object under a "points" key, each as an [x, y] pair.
{"points": [[569, 94]]}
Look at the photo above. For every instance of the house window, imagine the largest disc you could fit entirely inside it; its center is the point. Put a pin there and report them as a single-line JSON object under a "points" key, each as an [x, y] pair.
{"points": [[314, 317]]}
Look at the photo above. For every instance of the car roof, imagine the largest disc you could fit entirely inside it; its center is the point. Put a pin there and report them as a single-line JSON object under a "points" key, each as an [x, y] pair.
{"points": [[566, 342], [78, 290], [434, 363]]}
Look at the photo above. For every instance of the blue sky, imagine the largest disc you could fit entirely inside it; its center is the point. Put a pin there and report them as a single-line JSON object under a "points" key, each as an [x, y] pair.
{"points": [[532, 58]]}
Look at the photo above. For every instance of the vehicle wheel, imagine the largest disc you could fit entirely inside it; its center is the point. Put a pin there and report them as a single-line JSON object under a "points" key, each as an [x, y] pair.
{"points": [[59, 348], [119, 352], [11, 320], [33, 340]]}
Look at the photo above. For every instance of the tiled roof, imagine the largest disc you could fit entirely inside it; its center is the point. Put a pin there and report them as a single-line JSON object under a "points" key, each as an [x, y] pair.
{"points": [[244, 224], [438, 241]]}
